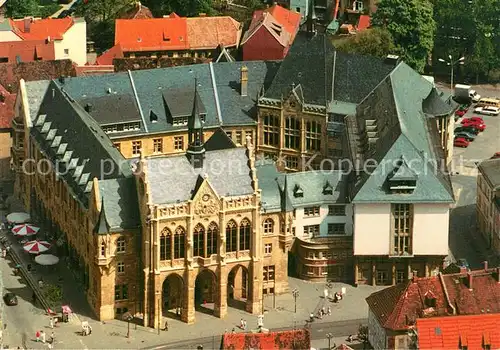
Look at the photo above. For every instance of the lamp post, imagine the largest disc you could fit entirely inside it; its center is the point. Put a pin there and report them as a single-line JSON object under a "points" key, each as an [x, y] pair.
{"points": [[295, 294], [127, 316], [329, 336], [450, 62]]}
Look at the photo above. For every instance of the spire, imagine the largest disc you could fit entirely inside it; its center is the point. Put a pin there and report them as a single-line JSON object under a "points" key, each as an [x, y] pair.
{"points": [[102, 226], [196, 147], [286, 205], [311, 19]]}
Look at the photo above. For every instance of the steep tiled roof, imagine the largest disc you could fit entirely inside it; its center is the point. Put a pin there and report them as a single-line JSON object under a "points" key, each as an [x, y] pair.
{"points": [[490, 169], [287, 18], [398, 307], [210, 32], [434, 105], [109, 55], [136, 11], [41, 29], [293, 339], [27, 50], [472, 332]]}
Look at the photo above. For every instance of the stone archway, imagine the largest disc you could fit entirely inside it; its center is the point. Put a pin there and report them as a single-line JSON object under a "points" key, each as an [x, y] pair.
{"points": [[205, 291], [172, 295], [237, 287]]}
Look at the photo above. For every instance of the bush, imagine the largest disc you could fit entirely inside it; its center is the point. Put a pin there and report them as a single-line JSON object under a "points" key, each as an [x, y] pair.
{"points": [[53, 294]]}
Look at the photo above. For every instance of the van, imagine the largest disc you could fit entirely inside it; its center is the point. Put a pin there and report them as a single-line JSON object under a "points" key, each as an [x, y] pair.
{"points": [[489, 102], [489, 110]]}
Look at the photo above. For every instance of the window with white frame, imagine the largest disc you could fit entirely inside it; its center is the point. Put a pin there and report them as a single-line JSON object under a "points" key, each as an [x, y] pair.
{"points": [[311, 211], [268, 248], [336, 210], [120, 267], [336, 229], [311, 230]]}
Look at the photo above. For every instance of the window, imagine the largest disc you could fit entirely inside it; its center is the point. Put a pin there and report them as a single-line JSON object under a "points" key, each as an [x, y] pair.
{"points": [[400, 276], [136, 148], [212, 239], [268, 226], [179, 143], [311, 211], [292, 162], [245, 234], [269, 273], [121, 245], [157, 145], [402, 228], [292, 133], [248, 134], [121, 292], [336, 229], [165, 244], [336, 210], [179, 241], [198, 240], [313, 136], [382, 277], [231, 236], [117, 146], [180, 121], [120, 267], [229, 134], [268, 248], [239, 138], [103, 249], [66, 52], [271, 130], [358, 5], [311, 230]]}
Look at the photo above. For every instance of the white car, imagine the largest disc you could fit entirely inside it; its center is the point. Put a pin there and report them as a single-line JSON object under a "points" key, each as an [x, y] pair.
{"points": [[487, 110], [474, 96]]}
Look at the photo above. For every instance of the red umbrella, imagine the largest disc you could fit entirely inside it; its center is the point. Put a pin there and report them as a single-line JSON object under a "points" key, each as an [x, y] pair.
{"points": [[25, 230], [35, 247]]}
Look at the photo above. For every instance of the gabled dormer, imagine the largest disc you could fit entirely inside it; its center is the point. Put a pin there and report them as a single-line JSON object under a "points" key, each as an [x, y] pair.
{"points": [[327, 189], [402, 179], [295, 99], [298, 192]]}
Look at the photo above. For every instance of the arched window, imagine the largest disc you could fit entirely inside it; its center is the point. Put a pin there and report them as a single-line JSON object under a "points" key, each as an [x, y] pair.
{"points": [[212, 239], [271, 130], [231, 236], [165, 244], [121, 245], [268, 226], [179, 242], [245, 234], [103, 249], [198, 240]]}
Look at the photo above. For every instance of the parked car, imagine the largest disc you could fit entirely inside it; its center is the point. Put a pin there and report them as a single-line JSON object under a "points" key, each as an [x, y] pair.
{"points": [[472, 119], [478, 126], [469, 129], [487, 110], [466, 135], [10, 299], [460, 112], [461, 142], [496, 155]]}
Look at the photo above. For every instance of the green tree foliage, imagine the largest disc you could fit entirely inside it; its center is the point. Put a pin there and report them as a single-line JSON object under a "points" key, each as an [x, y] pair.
{"points": [[374, 42], [188, 8], [21, 8], [412, 26]]}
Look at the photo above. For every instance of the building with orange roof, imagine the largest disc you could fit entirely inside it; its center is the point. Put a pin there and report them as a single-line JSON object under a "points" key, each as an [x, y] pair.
{"points": [[67, 35], [26, 51], [176, 37], [270, 34]]}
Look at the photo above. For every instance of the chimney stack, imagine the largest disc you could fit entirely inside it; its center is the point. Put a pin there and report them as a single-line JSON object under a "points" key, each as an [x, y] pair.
{"points": [[244, 81], [469, 280], [88, 108], [485, 264], [27, 24]]}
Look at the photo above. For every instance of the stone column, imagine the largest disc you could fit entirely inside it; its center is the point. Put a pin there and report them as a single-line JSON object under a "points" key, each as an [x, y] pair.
{"points": [[356, 271], [188, 311], [393, 273], [254, 298], [220, 307], [158, 319], [374, 274]]}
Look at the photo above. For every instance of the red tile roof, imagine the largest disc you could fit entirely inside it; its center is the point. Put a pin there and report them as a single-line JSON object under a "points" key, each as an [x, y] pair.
{"points": [[41, 29], [363, 23], [293, 339], [109, 55], [137, 11], [398, 307], [176, 33], [27, 50], [475, 332], [287, 18], [6, 108]]}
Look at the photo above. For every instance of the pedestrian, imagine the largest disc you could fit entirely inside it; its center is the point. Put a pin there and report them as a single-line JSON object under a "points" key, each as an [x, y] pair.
{"points": [[320, 315], [241, 323], [52, 338], [233, 331], [51, 322], [329, 311], [42, 336], [37, 336], [34, 297], [166, 326], [323, 311], [50, 346], [244, 325], [90, 330]]}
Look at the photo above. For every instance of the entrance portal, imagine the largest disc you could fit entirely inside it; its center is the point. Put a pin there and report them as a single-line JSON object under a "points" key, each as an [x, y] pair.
{"points": [[205, 291], [172, 295], [237, 287]]}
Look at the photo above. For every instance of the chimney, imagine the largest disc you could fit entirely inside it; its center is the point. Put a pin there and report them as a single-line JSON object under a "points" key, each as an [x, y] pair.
{"points": [[392, 60], [469, 280], [62, 79], [27, 24], [485, 264], [244, 81], [88, 108]]}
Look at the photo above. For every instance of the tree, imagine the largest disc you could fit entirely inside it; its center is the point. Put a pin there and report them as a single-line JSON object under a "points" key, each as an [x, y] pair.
{"points": [[412, 26], [374, 42], [21, 8], [188, 8]]}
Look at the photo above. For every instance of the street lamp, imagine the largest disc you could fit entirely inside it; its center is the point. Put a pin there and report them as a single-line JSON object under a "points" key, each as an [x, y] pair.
{"points": [[127, 316], [452, 64], [329, 336], [295, 294]]}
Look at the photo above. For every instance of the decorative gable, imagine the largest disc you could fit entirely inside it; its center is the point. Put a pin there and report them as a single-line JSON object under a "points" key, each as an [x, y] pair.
{"points": [[205, 199], [402, 179]]}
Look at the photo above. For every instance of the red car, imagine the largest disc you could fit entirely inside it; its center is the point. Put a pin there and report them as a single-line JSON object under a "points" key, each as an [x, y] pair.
{"points": [[477, 125], [460, 112], [473, 119], [461, 142]]}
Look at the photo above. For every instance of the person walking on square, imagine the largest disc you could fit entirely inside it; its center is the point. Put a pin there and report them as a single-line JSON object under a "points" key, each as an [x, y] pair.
{"points": [[51, 322], [42, 336], [52, 338], [37, 336], [166, 326]]}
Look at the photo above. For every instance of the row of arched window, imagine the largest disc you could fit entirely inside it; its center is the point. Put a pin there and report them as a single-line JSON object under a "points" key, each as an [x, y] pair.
{"points": [[205, 241]]}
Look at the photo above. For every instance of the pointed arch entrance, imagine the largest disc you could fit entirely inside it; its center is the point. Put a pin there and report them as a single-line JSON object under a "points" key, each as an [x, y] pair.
{"points": [[172, 295], [237, 287], [205, 291]]}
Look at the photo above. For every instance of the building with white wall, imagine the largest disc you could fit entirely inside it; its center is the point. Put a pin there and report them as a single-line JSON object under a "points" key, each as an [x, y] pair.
{"points": [[401, 192], [488, 202]]}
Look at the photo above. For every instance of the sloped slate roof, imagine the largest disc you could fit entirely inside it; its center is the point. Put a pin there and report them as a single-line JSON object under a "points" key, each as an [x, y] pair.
{"points": [[112, 109], [227, 170], [434, 104], [490, 169], [121, 204]]}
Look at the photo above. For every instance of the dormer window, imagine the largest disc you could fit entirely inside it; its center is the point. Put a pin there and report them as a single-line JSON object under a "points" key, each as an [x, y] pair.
{"points": [[152, 116], [327, 189], [430, 299], [298, 192], [402, 180]]}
